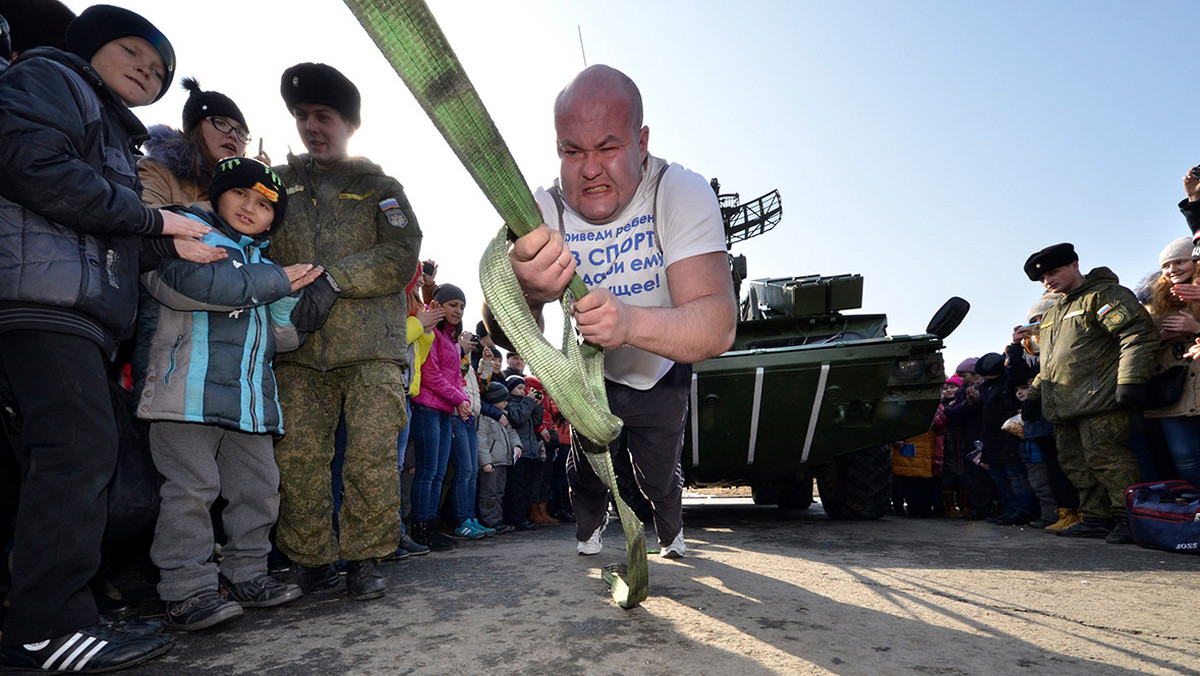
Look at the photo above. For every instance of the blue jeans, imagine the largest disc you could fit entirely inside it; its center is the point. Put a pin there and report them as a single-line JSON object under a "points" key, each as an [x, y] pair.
{"points": [[464, 453], [431, 432], [1012, 483], [401, 450], [1183, 438]]}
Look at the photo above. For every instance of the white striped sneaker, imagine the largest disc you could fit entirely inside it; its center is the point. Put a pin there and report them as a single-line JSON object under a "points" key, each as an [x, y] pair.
{"points": [[593, 544], [91, 650], [676, 549]]}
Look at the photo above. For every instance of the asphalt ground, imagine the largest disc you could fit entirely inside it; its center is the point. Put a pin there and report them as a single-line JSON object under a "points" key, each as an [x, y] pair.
{"points": [[762, 591]]}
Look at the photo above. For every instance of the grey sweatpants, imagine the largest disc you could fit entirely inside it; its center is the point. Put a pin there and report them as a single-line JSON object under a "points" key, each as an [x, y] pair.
{"points": [[491, 495], [200, 462], [652, 438]]}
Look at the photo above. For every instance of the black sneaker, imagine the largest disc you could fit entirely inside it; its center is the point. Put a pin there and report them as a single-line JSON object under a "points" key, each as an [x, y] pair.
{"points": [[140, 626], [1120, 535], [88, 651], [364, 581], [1086, 529], [411, 547], [263, 591], [315, 578], [204, 610]]}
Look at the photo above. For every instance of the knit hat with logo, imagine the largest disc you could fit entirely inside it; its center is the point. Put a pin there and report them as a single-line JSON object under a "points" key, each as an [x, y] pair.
{"points": [[243, 172]]}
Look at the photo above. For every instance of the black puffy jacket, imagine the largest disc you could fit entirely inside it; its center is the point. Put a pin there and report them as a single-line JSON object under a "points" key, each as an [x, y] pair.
{"points": [[70, 211]]}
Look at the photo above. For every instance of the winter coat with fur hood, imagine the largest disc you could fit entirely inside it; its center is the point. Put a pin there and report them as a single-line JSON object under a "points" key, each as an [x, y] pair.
{"points": [[173, 170]]}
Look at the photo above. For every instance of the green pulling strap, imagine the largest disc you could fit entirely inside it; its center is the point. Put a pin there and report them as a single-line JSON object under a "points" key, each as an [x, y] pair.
{"points": [[411, 40]]}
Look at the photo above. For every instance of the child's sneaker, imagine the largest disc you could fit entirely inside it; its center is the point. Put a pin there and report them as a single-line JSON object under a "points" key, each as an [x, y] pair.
{"points": [[489, 532], [201, 611], [410, 546], [263, 591], [467, 530]]}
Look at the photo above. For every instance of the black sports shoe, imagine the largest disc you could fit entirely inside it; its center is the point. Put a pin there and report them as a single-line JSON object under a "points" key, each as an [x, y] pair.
{"points": [[88, 651], [1086, 529], [263, 591], [364, 581], [316, 578], [138, 626], [206, 609]]}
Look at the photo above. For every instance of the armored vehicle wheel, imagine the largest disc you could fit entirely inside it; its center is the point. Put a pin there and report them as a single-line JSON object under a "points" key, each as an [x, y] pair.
{"points": [[789, 492], [858, 485]]}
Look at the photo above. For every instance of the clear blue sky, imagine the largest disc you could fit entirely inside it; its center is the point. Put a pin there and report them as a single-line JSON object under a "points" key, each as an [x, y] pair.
{"points": [[930, 146]]}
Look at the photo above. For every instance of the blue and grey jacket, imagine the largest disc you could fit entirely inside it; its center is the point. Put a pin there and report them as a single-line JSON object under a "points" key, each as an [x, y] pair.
{"points": [[70, 215], [208, 334]]}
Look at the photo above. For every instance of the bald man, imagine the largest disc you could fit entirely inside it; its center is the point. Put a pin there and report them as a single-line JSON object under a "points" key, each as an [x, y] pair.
{"points": [[647, 239]]}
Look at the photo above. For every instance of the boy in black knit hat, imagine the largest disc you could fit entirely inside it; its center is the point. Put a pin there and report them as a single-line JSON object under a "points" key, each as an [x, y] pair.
{"points": [[71, 229], [210, 340]]}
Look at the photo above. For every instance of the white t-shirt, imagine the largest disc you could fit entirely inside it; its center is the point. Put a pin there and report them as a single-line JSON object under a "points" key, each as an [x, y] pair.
{"points": [[622, 256]]}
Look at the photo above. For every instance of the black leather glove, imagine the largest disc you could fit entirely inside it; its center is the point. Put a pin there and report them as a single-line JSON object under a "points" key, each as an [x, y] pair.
{"points": [[1133, 397], [310, 313], [1031, 409]]}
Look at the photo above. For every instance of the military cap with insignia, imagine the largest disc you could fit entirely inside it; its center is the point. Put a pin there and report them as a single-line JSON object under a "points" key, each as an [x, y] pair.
{"points": [[1050, 258]]}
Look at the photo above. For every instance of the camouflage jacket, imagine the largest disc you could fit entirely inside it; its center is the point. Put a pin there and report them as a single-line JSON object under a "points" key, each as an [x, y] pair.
{"points": [[356, 222], [1093, 339]]}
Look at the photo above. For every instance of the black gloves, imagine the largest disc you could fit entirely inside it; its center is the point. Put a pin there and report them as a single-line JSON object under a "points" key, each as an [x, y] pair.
{"points": [[310, 313], [1133, 397], [1031, 409]]}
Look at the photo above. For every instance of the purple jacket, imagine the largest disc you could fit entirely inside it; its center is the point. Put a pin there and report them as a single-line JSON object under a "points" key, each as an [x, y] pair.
{"points": [[441, 375]]}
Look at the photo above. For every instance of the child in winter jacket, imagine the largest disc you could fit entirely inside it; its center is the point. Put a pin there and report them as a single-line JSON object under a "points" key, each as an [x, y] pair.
{"points": [[208, 389], [498, 445], [524, 414]]}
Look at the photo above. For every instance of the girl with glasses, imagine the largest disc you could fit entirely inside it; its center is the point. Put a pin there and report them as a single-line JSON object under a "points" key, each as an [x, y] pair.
{"points": [[179, 164]]}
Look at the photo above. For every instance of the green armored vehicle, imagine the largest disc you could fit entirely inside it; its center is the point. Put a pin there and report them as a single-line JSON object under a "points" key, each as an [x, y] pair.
{"points": [[807, 392]]}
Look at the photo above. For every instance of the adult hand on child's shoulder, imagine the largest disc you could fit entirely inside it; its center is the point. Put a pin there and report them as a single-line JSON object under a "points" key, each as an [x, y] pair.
{"points": [[195, 251], [174, 224]]}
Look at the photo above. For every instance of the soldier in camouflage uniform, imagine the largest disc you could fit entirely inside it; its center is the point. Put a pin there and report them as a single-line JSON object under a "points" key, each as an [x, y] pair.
{"points": [[1098, 347], [349, 217]]}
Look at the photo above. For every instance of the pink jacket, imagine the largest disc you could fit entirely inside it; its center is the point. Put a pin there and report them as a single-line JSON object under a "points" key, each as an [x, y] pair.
{"points": [[441, 375]]}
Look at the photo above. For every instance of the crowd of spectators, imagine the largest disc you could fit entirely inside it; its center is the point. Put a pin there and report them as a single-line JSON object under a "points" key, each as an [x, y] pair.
{"points": [[252, 363], [1095, 391]]}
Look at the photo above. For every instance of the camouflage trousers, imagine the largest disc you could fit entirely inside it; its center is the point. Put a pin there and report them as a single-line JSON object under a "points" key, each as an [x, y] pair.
{"points": [[372, 396], [1095, 455]]}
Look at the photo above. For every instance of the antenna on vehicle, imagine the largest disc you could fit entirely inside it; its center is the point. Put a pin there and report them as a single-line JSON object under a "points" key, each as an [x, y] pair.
{"points": [[581, 52]]}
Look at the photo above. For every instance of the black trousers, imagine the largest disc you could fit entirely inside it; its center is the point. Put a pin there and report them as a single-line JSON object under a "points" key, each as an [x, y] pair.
{"points": [[57, 383], [645, 458]]}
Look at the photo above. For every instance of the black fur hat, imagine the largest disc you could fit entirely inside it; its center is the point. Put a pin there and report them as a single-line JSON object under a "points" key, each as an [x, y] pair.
{"points": [[990, 364], [1050, 258], [324, 85], [201, 104]]}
